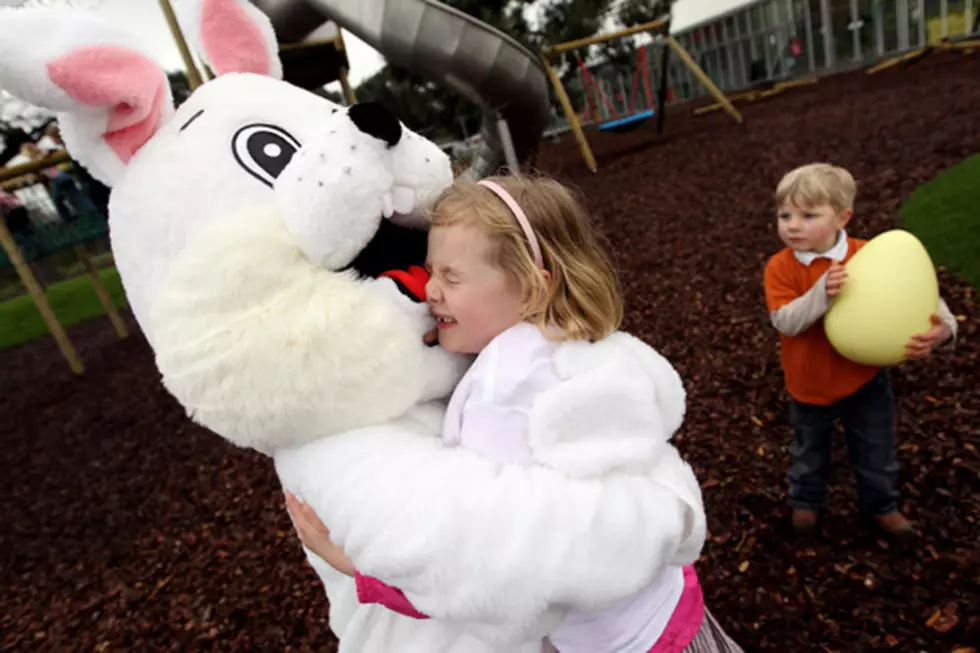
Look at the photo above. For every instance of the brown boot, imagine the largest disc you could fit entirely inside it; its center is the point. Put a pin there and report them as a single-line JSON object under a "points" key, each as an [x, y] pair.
{"points": [[896, 525], [804, 521]]}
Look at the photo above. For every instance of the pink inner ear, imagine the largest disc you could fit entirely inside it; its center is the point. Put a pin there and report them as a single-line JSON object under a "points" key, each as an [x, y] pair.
{"points": [[234, 43], [131, 86]]}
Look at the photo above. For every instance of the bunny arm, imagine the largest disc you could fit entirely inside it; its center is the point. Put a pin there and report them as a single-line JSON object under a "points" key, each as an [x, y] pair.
{"points": [[503, 548]]}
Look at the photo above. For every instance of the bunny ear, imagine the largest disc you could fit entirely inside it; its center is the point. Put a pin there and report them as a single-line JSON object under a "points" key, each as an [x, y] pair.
{"points": [[233, 36], [110, 97]]}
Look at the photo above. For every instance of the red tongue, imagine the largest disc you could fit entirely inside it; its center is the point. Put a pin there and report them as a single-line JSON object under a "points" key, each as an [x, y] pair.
{"points": [[413, 279]]}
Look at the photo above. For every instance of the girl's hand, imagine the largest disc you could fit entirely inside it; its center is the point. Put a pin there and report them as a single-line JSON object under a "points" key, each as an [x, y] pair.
{"points": [[836, 276], [921, 345], [316, 536]]}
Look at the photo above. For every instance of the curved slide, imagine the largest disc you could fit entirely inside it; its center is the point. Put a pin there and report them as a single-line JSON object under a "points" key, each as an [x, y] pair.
{"points": [[445, 45]]}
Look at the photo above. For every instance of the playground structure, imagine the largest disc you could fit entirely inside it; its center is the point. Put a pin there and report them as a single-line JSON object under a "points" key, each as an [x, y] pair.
{"points": [[967, 44], [42, 240], [660, 29], [495, 72], [491, 69], [753, 50]]}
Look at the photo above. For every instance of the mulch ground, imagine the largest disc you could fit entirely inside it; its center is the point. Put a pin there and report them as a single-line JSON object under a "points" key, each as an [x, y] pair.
{"points": [[123, 527]]}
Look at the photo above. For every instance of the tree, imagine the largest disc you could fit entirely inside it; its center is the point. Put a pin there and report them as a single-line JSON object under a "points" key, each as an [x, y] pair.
{"points": [[441, 113]]}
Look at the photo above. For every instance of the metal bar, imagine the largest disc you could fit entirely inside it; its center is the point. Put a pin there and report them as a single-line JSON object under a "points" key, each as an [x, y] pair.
{"points": [[826, 22], [740, 43], [193, 75], [699, 51], [729, 59], [944, 11], [662, 91], [879, 16], [811, 55], [685, 70], [855, 28], [791, 17], [968, 16], [603, 38], [753, 48], [902, 18], [510, 154], [922, 22]]}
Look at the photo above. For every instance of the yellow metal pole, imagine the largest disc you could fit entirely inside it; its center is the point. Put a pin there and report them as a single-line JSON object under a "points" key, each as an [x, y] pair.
{"points": [[602, 38], [348, 90], [344, 82], [193, 76], [570, 115], [100, 290], [40, 300], [704, 79]]}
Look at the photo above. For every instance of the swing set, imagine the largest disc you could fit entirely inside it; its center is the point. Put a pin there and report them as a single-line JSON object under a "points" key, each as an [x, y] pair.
{"points": [[632, 117]]}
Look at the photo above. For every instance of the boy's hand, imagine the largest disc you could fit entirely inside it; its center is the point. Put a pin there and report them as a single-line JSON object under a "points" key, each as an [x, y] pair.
{"points": [[316, 536], [921, 345], [836, 276]]}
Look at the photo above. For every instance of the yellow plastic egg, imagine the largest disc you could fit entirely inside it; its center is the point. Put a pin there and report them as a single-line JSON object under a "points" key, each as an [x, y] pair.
{"points": [[889, 295]]}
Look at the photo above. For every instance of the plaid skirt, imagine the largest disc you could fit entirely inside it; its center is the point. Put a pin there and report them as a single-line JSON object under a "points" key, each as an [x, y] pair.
{"points": [[711, 638]]}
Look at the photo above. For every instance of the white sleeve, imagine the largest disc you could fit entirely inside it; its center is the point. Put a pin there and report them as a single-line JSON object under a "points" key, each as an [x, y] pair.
{"points": [[949, 320], [497, 433], [803, 312]]}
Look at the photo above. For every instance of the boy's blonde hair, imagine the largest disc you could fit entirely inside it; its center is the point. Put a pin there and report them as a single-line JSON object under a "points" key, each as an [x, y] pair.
{"points": [[818, 184], [583, 300]]}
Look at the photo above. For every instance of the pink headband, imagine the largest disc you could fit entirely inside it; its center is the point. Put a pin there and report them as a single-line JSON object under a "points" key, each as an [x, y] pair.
{"points": [[521, 218]]}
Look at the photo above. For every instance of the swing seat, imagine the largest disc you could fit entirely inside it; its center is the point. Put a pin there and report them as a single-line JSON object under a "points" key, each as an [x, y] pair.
{"points": [[627, 124]]}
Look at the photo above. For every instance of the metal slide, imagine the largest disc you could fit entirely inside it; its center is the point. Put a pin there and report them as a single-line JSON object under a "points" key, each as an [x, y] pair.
{"points": [[495, 72]]}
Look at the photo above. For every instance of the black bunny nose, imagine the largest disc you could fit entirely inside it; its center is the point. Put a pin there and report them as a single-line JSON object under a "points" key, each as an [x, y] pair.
{"points": [[374, 120]]}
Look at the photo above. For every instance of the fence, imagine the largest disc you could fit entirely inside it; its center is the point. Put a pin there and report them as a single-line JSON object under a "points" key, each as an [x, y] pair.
{"points": [[775, 40]]}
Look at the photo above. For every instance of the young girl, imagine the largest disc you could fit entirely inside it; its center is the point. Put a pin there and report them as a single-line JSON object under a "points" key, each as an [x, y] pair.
{"points": [[515, 269]]}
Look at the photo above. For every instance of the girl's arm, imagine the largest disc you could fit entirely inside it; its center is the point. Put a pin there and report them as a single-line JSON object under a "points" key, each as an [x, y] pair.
{"points": [[315, 536]]}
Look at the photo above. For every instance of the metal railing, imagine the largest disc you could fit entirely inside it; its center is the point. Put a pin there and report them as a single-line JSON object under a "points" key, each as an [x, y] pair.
{"points": [[776, 40]]}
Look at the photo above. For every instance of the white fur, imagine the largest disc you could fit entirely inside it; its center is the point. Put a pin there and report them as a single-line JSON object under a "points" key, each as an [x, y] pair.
{"points": [[24, 57], [160, 206], [499, 547], [230, 279], [189, 16], [622, 403], [251, 348]]}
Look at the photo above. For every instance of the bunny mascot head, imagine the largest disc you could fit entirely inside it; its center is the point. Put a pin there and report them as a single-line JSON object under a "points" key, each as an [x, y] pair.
{"points": [[249, 226], [254, 229]]}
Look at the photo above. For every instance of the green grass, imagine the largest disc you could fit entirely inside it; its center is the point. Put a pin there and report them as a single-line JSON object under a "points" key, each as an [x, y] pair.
{"points": [[944, 214], [73, 301]]}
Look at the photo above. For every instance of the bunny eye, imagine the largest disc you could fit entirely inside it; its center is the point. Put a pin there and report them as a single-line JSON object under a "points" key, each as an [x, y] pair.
{"points": [[264, 150]]}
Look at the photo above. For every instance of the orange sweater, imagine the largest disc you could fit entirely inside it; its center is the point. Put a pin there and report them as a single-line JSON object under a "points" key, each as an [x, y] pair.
{"points": [[815, 373]]}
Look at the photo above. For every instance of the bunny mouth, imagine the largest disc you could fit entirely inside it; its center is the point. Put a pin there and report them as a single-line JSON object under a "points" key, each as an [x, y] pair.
{"points": [[393, 248]]}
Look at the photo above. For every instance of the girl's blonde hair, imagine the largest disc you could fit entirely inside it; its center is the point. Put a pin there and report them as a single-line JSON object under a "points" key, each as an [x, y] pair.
{"points": [[583, 300]]}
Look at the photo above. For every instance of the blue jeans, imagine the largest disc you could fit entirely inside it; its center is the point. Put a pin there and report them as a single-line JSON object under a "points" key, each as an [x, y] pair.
{"points": [[868, 417], [70, 201]]}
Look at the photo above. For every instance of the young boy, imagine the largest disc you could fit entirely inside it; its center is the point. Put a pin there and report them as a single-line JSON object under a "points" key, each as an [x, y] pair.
{"points": [[815, 204]]}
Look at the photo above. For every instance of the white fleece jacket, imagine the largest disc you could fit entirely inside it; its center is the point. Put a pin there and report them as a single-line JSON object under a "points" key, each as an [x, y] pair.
{"points": [[503, 551]]}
